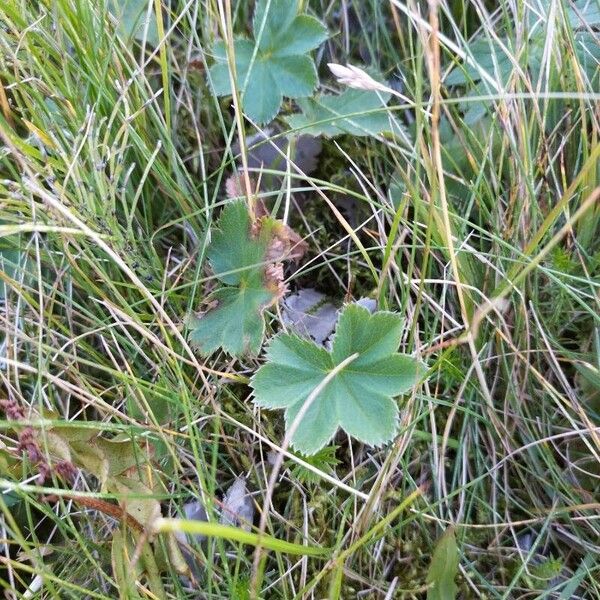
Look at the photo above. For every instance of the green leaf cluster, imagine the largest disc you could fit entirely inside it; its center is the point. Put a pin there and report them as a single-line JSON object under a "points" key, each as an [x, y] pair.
{"points": [[237, 258], [273, 65], [358, 398]]}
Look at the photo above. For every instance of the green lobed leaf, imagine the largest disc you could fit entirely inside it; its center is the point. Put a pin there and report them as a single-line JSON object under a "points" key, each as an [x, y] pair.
{"points": [[498, 60], [294, 366], [281, 66], [132, 16], [443, 568], [491, 55], [358, 399], [236, 322], [355, 112]]}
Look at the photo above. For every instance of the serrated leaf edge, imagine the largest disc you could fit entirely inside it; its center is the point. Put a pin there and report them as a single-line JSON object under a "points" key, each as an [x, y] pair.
{"points": [[306, 450]]}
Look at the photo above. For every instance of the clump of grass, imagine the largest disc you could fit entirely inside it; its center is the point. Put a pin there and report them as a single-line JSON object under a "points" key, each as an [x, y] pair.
{"points": [[113, 158]]}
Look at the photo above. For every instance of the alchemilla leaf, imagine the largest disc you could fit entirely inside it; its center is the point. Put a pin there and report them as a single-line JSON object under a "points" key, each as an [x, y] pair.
{"points": [[358, 399], [235, 321], [355, 112], [275, 64], [132, 16]]}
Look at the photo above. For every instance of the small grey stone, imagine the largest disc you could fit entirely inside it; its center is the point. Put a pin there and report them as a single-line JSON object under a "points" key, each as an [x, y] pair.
{"points": [[238, 508]]}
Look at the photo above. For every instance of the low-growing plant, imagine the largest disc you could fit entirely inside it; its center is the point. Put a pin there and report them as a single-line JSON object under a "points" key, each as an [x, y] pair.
{"points": [[273, 65], [115, 226], [244, 256], [351, 386]]}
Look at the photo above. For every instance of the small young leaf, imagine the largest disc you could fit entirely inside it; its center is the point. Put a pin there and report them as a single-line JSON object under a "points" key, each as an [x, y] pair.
{"points": [[276, 64], [358, 398], [357, 112], [324, 460], [443, 568]]}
